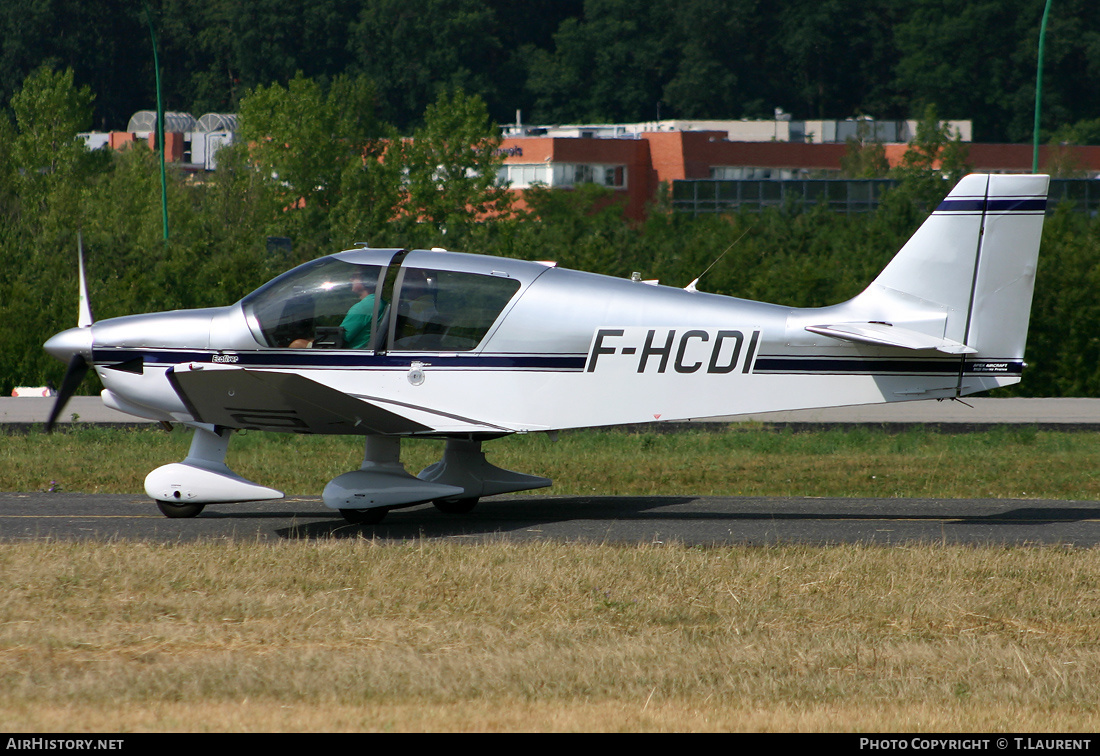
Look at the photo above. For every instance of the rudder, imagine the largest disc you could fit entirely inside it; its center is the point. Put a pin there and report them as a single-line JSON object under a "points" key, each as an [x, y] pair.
{"points": [[1005, 281]]}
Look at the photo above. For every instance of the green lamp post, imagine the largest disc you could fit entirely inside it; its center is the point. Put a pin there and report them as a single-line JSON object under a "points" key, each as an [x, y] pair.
{"points": [[160, 125], [1039, 91]]}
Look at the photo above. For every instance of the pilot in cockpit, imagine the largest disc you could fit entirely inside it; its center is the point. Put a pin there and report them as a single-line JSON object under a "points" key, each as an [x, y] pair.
{"points": [[357, 323], [312, 323]]}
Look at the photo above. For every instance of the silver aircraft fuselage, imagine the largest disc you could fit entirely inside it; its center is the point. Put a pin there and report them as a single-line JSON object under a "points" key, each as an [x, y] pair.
{"points": [[570, 349]]}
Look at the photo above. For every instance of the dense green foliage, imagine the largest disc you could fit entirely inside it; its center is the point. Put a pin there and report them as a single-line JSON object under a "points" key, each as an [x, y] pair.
{"points": [[577, 60], [326, 176]]}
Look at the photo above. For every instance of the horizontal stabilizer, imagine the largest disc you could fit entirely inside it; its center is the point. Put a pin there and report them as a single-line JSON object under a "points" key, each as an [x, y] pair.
{"points": [[886, 334]]}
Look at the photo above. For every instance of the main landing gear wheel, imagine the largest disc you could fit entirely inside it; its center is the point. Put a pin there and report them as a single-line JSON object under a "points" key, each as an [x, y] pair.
{"points": [[176, 511], [364, 516], [456, 506]]}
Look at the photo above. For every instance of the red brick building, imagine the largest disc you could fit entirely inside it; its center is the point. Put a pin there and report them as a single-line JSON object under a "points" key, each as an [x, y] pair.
{"points": [[634, 159], [636, 165]]}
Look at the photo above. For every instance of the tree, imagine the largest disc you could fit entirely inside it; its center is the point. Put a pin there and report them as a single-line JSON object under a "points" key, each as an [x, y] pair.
{"points": [[453, 161], [977, 59], [832, 55], [609, 66], [309, 142], [48, 167], [9, 194], [934, 162], [104, 42], [47, 154], [1085, 131], [218, 50], [713, 43], [935, 150], [864, 156], [960, 54], [416, 49], [1071, 69]]}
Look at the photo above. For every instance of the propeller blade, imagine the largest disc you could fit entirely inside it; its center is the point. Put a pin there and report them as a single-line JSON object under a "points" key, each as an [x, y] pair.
{"points": [[74, 374], [85, 316]]}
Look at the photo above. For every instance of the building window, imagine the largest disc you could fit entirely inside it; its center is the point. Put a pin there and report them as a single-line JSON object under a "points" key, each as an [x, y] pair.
{"points": [[571, 174], [761, 173], [563, 175], [742, 173], [523, 176]]}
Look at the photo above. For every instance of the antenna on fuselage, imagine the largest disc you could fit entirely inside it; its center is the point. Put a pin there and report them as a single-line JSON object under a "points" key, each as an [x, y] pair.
{"points": [[691, 286]]}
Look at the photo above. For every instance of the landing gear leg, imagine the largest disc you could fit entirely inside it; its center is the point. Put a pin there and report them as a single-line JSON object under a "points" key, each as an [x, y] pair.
{"points": [[464, 466], [182, 489], [381, 483]]}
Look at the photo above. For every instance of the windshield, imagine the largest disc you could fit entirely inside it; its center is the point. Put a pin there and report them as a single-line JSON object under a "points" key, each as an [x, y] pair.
{"points": [[333, 304], [308, 306]]}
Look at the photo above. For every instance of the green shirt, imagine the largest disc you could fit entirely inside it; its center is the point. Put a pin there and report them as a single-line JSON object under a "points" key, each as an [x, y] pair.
{"points": [[358, 322]]}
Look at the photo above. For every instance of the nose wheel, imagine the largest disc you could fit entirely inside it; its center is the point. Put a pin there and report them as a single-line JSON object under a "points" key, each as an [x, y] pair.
{"points": [[178, 511]]}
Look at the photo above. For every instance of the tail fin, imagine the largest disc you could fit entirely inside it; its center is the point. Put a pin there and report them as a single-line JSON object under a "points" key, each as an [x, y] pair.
{"points": [[963, 283], [975, 256]]}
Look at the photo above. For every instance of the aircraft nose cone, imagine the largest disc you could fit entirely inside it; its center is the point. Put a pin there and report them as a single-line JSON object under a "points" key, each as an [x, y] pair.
{"points": [[65, 345]]}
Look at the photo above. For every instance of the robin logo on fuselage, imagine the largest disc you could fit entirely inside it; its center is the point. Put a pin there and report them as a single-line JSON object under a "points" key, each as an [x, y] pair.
{"points": [[674, 350]]}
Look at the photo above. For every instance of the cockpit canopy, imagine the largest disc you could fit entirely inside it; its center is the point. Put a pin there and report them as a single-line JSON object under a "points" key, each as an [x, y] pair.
{"points": [[337, 303]]}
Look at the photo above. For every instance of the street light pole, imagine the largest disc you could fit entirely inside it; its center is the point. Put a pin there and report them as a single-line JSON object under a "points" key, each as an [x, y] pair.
{"points": [[1039, 91], [160, 125]]}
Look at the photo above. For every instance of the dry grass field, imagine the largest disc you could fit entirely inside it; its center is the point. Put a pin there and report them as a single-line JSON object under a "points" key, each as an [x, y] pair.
{"points": [[360, 635], [438, 636]]}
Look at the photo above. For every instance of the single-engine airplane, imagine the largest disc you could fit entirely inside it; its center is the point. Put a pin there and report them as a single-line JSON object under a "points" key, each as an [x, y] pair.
{"points": [[394, 343]]}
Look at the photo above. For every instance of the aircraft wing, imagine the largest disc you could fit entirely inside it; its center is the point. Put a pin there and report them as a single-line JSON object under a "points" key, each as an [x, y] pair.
{"points": [[272, 401], [886, 334]]}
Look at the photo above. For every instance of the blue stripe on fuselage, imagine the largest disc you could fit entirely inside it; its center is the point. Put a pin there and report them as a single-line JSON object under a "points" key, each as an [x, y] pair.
{"points": [[323, 359], [822, 365]]}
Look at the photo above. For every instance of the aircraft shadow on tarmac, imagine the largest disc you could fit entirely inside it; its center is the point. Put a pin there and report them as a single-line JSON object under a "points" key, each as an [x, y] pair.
{"points": [[1038, 516], [498, 517], [512, 515]]}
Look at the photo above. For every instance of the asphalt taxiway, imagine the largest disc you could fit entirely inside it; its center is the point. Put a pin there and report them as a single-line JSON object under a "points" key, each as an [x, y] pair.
{"points": [[688, 520]]}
